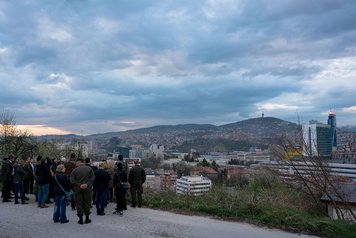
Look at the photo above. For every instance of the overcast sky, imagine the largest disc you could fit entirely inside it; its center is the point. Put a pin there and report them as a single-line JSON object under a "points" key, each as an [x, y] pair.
{"points": [[93, 66]]}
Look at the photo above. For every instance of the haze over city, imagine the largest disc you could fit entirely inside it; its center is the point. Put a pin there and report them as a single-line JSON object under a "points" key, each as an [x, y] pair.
{"points": [[88, 67]]}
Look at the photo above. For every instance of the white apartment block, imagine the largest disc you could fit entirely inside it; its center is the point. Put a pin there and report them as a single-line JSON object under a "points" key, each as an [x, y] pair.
{"points": [[193, 185]]}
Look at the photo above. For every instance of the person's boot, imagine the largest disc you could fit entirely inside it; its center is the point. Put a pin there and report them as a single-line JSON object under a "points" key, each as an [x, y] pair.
{"points": [[80, 220], [87, 220]]}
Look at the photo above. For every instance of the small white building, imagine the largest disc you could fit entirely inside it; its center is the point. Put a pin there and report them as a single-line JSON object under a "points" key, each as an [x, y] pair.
{"points": [[348, 202], [193, 185]]}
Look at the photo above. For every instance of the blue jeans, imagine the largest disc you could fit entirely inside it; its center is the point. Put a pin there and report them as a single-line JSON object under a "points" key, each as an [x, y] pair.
{"points": [[101, 199], [19, 189], [42, 194], [59, 213]]}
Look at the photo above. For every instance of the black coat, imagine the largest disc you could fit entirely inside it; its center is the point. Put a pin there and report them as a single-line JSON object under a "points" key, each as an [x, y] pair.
{"points": [[102, 179], [6, 170], [63, 180], [137, 175], [120, 178], [43, 174], [29, 172], [19, 173]]}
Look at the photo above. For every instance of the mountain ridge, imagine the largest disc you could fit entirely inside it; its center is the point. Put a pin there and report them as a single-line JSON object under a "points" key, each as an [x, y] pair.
{"points": [[241, 135], [195, 126]]}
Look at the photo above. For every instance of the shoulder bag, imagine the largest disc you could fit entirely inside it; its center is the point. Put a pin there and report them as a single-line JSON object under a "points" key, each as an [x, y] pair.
{"points": [[69, 194]]}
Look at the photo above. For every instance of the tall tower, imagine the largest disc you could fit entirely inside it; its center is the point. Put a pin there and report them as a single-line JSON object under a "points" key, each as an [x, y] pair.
{"points": [[332, 123]]}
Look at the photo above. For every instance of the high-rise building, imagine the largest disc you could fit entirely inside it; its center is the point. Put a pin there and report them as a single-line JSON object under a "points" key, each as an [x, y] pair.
{"points": [[124, 151], [157, 150], [332, 123], [317, 140]]}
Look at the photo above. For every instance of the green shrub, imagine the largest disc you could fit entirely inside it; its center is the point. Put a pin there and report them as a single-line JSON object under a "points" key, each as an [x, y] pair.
{"points": [[261, 203]]}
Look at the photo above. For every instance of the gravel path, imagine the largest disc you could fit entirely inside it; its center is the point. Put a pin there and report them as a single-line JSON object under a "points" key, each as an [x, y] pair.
{"points": [[27, 221]]}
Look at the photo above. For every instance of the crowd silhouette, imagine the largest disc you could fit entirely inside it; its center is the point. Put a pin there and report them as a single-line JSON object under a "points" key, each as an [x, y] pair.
{"points": [[73, 182]]}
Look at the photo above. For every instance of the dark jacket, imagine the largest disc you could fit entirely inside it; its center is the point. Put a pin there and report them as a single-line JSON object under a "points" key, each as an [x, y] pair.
{"points": [[122, 166], [19, 173], [120, 180], [62, 180], [82, 175], [29, 172], [6, 170], [94, 168], [137, 175], [70, 166], [43, 174], [120, 176], [102, 179]]}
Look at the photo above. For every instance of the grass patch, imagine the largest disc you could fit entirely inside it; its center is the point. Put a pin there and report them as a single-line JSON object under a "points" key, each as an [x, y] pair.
{"points": [[245, 206]]}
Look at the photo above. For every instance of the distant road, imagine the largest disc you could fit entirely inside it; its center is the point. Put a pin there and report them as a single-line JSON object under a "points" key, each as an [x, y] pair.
{"points": [[28, 221]]}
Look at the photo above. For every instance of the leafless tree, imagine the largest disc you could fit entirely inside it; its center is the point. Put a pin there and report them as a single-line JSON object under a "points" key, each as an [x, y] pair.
{"points": [[12, 140], [313, 172]]}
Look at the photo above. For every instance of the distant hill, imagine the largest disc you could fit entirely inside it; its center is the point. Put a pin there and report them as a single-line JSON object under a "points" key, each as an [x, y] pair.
{"points": [[256, 132], [219, 145], [263, 127], [180, 127], [58, 137]]}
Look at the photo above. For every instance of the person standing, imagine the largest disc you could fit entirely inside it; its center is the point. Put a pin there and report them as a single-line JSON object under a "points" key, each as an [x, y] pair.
{"points": [[121, 186], [52, 168], [137, 177], [19, 176], [101, 184], [7, 177], [70, 164], [44, 178], [109, 167], [94, 168], [82, 178], [30, 176], [120, 160], [61, 185]]}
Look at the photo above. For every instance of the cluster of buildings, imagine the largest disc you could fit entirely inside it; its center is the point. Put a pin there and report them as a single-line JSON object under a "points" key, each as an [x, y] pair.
{"points": [[318, 141], [169, 181]]}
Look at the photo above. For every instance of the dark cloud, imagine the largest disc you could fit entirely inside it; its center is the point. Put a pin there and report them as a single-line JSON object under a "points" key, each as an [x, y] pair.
{"points": [[113, 64]]}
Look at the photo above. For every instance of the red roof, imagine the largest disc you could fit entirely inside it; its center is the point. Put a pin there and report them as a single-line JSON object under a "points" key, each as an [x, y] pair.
{"points": [[205, 170]]}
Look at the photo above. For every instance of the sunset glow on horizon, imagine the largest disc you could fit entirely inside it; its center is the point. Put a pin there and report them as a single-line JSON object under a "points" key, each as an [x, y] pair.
{"points": [[40, 130]]}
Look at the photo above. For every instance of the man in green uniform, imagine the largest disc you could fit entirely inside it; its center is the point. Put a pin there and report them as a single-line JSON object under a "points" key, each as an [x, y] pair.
{"points": [[82, 178], [137, 177]]}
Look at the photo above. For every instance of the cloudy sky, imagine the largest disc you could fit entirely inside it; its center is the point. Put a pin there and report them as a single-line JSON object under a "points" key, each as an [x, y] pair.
{"points": [[92, 66]]}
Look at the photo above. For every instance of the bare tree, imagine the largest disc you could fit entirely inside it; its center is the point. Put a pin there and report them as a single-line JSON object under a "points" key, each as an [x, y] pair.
{"points": [[7, 131], [313, 172], [12, 140]]}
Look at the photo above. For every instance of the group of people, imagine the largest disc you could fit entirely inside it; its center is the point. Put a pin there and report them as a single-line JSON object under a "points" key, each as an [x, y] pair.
{"points": [[75, 182], [17, 176]]}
